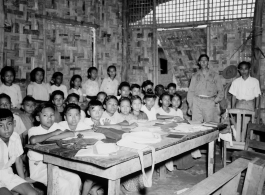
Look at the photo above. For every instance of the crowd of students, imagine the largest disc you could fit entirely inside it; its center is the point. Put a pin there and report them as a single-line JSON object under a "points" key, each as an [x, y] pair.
{"points": [[50, 112]]}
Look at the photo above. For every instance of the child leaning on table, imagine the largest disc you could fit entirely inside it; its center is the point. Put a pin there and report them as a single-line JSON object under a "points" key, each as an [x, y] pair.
{"points": [[68, 183], [10, 153], [95, 110]]}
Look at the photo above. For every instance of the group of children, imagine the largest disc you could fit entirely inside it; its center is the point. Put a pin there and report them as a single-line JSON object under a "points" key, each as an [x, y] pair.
{"points": [[50, 112]]}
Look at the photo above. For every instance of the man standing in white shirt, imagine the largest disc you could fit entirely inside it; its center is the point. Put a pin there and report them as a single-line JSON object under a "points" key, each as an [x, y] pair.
{"points": [[245, 89]]}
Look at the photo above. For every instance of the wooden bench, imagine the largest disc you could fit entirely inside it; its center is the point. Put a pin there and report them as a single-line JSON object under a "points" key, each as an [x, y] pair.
{"points": [[226, 181]]}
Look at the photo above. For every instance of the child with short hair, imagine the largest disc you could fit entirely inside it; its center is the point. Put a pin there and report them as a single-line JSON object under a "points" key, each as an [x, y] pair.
{"points": [[68, 182], [75, 86], [39, 90], [74, 98], [8, 76], [56, 83], [5, 102], [147, 87], [176, 103], [159, 90], [10, 153], [110, 84], [91, 86], [148, 108], [95, 110], [136, 108], [171, 87], [135, 90], [101, 96], [125, 109], [124, 90], [57, 98]]}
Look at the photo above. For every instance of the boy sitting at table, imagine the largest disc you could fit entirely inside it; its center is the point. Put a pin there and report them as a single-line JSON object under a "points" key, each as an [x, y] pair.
{"points": [[68, 183], [10, 153]]}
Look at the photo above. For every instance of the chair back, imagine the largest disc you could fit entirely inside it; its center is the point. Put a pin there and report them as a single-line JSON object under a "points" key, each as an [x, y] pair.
{"points": [[241, 122], [251, 142]]}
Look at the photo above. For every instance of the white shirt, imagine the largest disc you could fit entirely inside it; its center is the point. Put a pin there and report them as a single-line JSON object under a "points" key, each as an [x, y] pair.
{"points": [[90, 88], [39, 130], [14, 93], [109, 86], [172, 112], [19, 127], [80, 126], [39, 91], [61, 88], [245, 89], [78, 92], [9, 154], [89, 122], [114, 119], [150, 113]]}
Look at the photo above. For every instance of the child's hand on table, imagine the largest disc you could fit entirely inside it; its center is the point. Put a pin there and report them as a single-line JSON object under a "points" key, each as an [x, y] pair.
{"points": [[106, 121]]}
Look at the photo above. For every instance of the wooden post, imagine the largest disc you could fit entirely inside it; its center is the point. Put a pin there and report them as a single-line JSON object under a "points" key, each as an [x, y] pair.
{"points": [[155, 50], [125, 26], [2, 33], [114, 187], [211, 153]]}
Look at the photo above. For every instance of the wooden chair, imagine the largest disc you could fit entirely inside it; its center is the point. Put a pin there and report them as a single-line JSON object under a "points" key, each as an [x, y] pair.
{"points": [[252, 144], [226, 181]]}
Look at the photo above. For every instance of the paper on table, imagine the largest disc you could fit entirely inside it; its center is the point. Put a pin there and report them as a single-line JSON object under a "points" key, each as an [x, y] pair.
{"points": [[188, 128], [90, 135]]}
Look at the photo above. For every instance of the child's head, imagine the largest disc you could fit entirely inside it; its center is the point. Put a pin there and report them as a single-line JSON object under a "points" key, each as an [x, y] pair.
{"points": [[92, 73], [8, 75], [95, 109], [125, 105], [57, 98], [149, 100], [73, 98], [164, 100], [111, 104], [159, 90], [135, 89], [124, 89], [7, 124], [176, 100], [136, 103], [75, 81], [147, 86], [101, 96], [37, 75], [112, 71], [28, 104], [244, 68], [57, 78], [5, 101], [44, 114], [72, 114], [172, 87]]}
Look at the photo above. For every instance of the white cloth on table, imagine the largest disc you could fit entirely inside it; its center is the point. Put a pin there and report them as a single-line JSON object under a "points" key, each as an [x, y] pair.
{"points": [[14, 93]]}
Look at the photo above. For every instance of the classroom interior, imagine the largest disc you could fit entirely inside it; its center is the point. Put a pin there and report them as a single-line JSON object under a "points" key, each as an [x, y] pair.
{"points": [[158, 40]]}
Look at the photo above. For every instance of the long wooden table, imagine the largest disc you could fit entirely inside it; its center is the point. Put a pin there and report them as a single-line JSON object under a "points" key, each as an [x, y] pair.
{"points": [[124, 163]]}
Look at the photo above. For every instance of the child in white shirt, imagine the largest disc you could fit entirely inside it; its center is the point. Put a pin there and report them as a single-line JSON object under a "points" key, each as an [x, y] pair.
{"points": [[56, 83], [57, 99], [125, 110], [124, 90], [176, 104], [74, 98], [10, 152], [8, 87], [95, 110], [68, 183], [148, 108], [110, 84], [91, 86], [75, 86], [136, 108], [37, 88], [135, 90]]}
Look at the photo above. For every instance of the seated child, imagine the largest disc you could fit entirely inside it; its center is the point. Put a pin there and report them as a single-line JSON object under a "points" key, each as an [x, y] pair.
{"points": [[56, 83], [171, 87], [8, 87], [165, 110], [68, 182], [101, 96], [5, 102], [11, 150], [75, 86], [159, 90], [124, 90], [95, 110], [136, 108], [135, 89], [148, 108], [176, 104], [74, 98], [57, 99], [125, 109]]}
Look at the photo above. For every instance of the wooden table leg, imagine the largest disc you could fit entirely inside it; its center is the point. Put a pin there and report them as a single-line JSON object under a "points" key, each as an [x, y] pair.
{"points": [[211, 146], [162, 171], [224, 152], [50, 179], [114, 187]]}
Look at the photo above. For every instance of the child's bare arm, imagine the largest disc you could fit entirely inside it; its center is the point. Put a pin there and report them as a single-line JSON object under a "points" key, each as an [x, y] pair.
{"points": [[19, 167], [63, 135], [40, 138]]}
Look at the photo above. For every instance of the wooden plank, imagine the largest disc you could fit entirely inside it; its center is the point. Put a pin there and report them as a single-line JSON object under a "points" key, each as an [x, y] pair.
{"points": [[256, 144], [217, 180], [211, 146], [114, 187], [162, 171], [231, 187], [238, 128], [2, 33], [50, 179], [261, 183]]}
